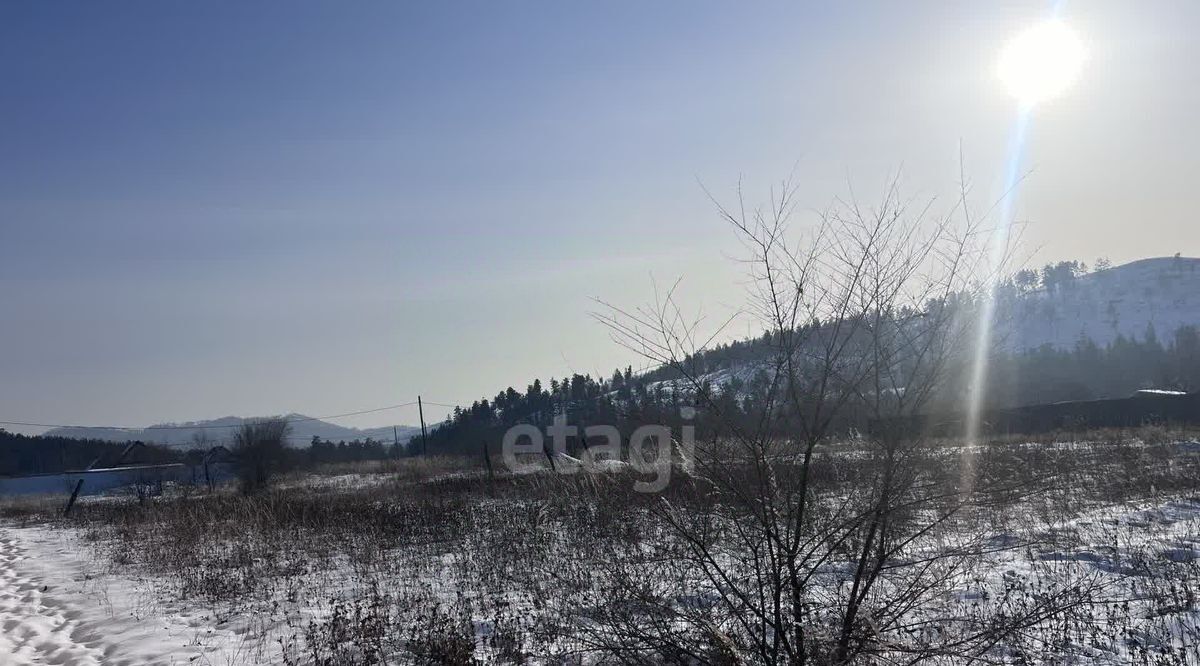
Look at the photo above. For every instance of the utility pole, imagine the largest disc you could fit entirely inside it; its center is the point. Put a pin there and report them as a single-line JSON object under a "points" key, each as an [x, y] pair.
{"points": [[424, 436], [395, 442]]}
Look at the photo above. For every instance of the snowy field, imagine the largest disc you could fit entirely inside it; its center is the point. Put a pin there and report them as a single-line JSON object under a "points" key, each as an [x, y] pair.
{"points": [[59, 605], [441, 565]]}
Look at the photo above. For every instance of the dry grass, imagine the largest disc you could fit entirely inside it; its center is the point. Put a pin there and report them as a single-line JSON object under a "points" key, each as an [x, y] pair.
{"points": [[430, 561]]}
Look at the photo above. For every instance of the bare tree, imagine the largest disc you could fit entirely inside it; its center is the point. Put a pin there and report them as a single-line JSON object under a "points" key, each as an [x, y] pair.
{"points": [[258, 450], [818, 546]]}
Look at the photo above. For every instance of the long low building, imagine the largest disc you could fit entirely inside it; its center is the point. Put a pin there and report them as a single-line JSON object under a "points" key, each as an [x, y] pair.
{"points": [[97, 481]]}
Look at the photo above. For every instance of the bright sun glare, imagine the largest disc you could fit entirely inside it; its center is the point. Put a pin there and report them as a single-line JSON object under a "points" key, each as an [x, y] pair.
{"points": [[1041, 62]]}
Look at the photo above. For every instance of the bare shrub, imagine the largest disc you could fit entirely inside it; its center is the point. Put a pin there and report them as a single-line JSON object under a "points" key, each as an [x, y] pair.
{"points": [[804, 556], [569, 569], [355, 632], [258, 451], [442, 636]]}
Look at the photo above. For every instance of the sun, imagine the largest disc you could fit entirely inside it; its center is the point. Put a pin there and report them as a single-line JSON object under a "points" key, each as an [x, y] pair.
{"points": [[1041, 62]]}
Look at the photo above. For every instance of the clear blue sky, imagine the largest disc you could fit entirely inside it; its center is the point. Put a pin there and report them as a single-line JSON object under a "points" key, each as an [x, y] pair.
{"points": [[212, 208]]}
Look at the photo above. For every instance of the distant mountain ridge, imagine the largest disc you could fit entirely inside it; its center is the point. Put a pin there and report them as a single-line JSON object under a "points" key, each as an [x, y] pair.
{"points": [[220, 431]]}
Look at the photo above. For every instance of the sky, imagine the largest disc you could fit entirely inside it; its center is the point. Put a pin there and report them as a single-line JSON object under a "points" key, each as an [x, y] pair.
{"points": [[260, 208]]}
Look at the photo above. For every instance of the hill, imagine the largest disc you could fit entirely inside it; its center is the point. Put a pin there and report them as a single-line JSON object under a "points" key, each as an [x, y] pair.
{"points": [[1160, 294]]}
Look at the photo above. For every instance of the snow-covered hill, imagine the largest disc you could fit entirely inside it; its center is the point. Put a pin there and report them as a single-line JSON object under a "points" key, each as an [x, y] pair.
{"points": [[220, 431], [1158, 294], [1162, 293]]}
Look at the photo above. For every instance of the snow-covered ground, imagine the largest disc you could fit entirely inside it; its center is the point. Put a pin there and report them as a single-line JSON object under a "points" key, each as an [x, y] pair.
{"points": [[59, 605], [74, 593], [1140, 562]]}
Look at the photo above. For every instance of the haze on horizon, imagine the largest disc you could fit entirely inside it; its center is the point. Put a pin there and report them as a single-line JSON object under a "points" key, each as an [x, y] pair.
{"points": [[235, 208]]}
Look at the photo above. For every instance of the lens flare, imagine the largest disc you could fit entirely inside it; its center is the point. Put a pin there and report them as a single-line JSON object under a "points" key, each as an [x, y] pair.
{"points": [[998, 247], [1037, 65]]}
